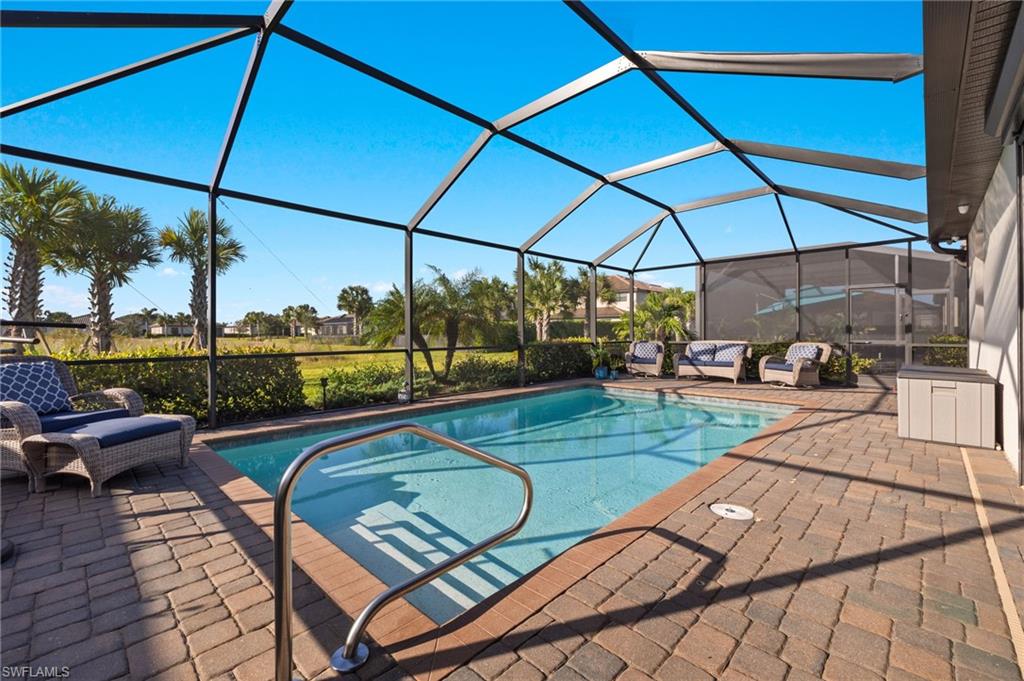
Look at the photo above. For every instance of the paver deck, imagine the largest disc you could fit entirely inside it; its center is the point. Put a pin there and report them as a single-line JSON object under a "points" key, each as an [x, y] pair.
{"points": [[866, 560]]}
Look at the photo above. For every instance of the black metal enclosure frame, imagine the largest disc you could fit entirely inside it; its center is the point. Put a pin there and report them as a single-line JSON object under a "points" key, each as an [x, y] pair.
{"points": [[861, 66]]}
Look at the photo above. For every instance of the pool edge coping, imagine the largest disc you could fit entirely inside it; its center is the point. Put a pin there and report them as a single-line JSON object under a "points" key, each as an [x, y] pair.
{"points": [[401, 629]]}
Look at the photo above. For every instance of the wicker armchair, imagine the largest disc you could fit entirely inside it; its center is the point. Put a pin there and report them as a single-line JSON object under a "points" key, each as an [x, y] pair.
{"points": [[800, 366], [25, 448]]}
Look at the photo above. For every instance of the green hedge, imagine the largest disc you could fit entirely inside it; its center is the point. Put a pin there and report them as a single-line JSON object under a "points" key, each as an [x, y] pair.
{"points": [[248, 389], [946, 357], [555, 361]]}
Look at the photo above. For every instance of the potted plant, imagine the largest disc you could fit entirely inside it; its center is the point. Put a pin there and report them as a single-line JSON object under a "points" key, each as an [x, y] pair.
{"points": [[616, 364], [601, 361]]}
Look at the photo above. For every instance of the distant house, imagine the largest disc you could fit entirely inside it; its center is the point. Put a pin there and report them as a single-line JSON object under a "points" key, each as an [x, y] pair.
{"points": [[620, 285], [338, 325], [236, 329], [170, 330]]}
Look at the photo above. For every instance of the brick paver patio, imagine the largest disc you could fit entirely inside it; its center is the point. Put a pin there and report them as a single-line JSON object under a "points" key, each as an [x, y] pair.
{"points": [[866, 560]]}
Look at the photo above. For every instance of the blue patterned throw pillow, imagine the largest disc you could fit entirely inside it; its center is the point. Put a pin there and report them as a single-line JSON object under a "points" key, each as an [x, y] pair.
{"points": [[802, 351], [703, 351], [645, 350], [728, 352], [35, 384]]}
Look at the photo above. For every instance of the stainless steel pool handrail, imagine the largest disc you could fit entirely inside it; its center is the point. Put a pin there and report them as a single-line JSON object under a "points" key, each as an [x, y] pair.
{"points": [[354, 653]]}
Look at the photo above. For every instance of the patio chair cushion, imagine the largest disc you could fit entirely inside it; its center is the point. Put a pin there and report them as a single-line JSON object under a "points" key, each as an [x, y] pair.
{"points": [[35, 384], [802, 351], [645, 353], [728, 352], [701, 350], [69, 419], [683, 359], [779, 366], [118, 431]]}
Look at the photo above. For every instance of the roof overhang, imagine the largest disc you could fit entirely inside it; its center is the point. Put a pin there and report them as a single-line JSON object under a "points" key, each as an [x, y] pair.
{"points": [[966, 48]]}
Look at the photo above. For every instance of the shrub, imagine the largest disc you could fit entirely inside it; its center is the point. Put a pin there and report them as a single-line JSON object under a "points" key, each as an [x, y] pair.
{"points": [[364, 384], [946, 357], [248, 388], [554, 361], [478, 371]]}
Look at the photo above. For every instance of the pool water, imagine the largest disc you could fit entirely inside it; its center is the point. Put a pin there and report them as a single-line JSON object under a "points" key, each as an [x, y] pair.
{"points": [[400, 504]]}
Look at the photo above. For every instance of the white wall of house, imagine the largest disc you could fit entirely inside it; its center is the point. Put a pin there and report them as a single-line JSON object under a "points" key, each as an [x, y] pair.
{"points": [[994, 321]]}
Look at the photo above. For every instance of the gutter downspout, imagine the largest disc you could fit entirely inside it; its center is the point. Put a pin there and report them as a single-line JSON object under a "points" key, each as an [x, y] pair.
{"points": [[1019, 149]]}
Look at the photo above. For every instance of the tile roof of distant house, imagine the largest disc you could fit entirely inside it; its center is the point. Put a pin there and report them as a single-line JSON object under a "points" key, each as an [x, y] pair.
{"points": [[620, 284]]}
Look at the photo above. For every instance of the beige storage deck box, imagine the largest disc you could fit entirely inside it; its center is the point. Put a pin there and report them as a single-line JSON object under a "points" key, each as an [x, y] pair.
{"points": [[947, 404]]}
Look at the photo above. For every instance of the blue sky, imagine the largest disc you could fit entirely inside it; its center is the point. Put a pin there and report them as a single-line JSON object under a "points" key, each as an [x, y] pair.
{"points": [[318, 133]]}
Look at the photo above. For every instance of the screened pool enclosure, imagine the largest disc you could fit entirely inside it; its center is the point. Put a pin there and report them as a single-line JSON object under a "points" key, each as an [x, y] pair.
{"points": [[887, 297]]}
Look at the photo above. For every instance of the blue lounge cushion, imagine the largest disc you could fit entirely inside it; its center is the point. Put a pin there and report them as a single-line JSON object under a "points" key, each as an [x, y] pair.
{"points": [[35, 384], [69, 419], [118, 431], [644, 360], [690, 361], [778, 366]]}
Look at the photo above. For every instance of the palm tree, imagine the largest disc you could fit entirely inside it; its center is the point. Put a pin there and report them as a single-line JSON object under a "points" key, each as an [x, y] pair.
{"points": [[33, 205], [187, 244], [495, 300], [147, 316], [452, 311], [547, 292], [356, 301], [660, 314], [304, 315], [605, 293], [106, 243], [386, 321]]}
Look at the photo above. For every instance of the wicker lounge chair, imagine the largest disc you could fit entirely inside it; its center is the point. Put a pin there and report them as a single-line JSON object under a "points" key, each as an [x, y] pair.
{"points": [[644, 358], [108, 436], [799, 367], [706, 359]]}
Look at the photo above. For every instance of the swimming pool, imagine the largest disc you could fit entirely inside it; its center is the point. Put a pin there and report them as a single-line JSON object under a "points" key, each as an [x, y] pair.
{"points": [[400, 504]]}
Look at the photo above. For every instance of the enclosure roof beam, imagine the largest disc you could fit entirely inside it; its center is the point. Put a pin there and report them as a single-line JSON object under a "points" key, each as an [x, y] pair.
{"points": [[571, 90], [827, 159], [449, 180], [776, 254], [580, 199], [666, 161], [881, 209], [854, 66], [399, 84], [275, 13], [649, 70], [785, 221], [686, 235], [46, 157], [125, 71], [625, 174], [631, 237], [650, 240], [720, 199], [13, 18]]}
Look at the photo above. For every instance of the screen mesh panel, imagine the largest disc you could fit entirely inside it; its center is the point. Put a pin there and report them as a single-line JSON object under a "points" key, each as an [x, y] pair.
{"points": [[752, 299]]}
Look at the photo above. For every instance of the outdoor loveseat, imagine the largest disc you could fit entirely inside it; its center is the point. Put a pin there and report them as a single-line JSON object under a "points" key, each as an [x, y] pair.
{"points": [[644, 358], [799, 367], [705, 359], [48, 427]]}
